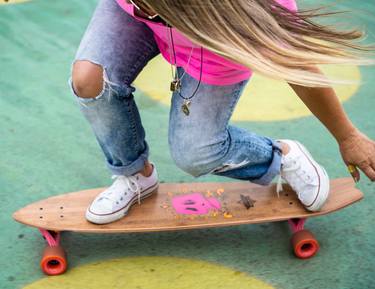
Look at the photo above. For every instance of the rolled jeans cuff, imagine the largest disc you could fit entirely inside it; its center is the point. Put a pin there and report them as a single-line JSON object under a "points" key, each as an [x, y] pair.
{"points": [[132, 168], [274, 168]]}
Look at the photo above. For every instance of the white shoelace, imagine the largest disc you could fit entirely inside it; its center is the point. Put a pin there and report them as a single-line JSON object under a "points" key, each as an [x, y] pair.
{"points": [[130, 183], [279, 185], [297, 166]]}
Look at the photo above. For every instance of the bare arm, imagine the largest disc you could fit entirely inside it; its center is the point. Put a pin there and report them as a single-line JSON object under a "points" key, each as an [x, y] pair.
{"points": [[325, 105], [356, 148]]}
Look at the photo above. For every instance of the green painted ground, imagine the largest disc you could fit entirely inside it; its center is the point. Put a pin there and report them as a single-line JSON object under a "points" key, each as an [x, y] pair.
{"points": [[47, 148]]}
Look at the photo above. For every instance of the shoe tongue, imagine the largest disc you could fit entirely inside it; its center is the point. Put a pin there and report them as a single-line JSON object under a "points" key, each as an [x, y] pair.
{"points": [[290, 157], [120, 182], [287, 161]]}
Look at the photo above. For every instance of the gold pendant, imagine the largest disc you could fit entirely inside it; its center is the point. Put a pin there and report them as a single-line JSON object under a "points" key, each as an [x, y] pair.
{"points": [[175, 85], [185, 107]]}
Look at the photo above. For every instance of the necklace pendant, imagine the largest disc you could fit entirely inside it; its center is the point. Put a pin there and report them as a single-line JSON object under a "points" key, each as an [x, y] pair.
{"points": [[175, 85], [185, 107]]}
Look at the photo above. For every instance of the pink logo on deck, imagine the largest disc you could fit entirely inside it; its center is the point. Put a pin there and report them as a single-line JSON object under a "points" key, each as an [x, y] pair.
{"points": [[195, 204]]}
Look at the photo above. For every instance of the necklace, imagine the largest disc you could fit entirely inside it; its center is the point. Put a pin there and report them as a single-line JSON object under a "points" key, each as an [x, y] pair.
{"points": [[176, 82]]}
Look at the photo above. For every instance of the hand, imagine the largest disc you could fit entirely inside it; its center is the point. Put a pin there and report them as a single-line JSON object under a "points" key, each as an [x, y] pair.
{"points": [[358, 150]]}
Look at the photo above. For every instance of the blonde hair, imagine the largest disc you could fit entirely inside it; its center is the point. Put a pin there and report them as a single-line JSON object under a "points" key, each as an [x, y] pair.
{"points": [[265, 36]]}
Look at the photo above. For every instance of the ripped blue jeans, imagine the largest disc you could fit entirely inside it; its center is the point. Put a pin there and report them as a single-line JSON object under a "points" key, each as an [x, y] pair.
{"points": [[201, 143]]}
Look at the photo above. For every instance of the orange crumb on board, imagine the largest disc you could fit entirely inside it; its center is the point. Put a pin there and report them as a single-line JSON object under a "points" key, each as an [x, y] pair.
{"points": [[208, 194], [220, 191], [170, 194], [228, 215]]}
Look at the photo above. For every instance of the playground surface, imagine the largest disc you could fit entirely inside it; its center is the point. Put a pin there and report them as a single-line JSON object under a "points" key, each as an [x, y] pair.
{"points": [[47, 148]]}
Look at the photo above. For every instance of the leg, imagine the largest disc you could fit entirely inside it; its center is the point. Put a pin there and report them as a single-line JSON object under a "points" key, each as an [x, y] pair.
{"points": [[203, 142], [113, 51]]}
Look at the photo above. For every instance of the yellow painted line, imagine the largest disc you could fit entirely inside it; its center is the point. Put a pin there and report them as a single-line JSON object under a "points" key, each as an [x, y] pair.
{"points": [[151, 273], [262, 100]]}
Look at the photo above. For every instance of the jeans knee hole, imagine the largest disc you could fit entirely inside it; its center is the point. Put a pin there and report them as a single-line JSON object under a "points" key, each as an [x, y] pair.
{"points": [[85, 100]]}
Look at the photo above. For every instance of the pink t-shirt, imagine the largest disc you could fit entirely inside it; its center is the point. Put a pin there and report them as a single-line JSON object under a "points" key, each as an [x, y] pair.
{"points": [[216, 69]]}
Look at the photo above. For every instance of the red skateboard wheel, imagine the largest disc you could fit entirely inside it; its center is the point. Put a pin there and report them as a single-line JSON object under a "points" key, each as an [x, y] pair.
{"points": [[304, 244], [54, 260]]}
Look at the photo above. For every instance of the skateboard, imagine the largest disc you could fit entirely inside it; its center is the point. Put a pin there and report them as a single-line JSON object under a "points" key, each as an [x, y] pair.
{"points": [[182, 206]]}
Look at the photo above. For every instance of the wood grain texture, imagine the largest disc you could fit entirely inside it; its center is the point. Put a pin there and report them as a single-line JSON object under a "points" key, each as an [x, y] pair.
{"points": [[66, 212]]}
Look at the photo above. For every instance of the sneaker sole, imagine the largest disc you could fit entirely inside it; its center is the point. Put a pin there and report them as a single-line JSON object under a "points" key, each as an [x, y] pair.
{"points": [[109, 218], [323, 192]]}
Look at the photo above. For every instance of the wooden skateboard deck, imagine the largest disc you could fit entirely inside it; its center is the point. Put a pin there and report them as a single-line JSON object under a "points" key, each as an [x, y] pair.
{"points": [[157, 213], [180, 206]]}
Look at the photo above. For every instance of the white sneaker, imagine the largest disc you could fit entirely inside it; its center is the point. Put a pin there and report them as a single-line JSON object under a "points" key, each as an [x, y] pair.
{"points": [[306, 177], [115, 202]]}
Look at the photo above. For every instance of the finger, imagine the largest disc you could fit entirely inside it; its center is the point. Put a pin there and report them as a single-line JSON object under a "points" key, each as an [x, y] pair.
{"points": [[368, 170], [373, 160], [353, 170], [356, 175]]}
